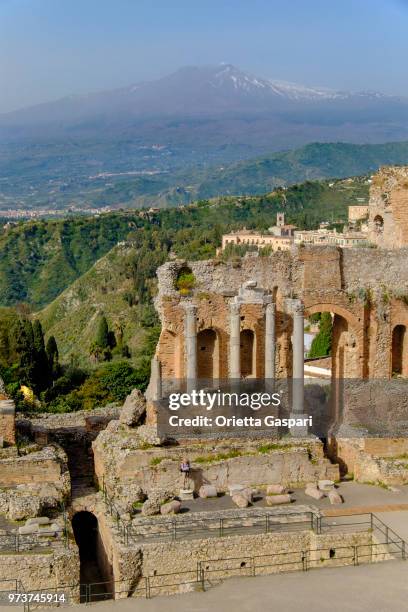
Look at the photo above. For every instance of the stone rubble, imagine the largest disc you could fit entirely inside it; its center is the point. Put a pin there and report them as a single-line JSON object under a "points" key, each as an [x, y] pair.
{"points": [[133, 409]]}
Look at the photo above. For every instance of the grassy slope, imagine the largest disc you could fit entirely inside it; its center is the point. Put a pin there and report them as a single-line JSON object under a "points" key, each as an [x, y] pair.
{"points": [[72, 318]]}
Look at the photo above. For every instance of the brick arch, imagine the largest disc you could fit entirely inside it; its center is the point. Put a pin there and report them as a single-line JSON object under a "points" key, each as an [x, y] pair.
{"points": [[337, 309], [347, 360]]}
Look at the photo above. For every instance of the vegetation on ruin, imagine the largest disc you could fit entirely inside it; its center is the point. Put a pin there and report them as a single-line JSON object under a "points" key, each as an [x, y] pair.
{"points": [[321, 344], [185, 282], [272, 446], [232, 454]]}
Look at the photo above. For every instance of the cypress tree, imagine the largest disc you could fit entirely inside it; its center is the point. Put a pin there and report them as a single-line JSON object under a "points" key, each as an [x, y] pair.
{"points": [[52, 355], [42, 373], [321, 345], [102, 334], [23, 338]]}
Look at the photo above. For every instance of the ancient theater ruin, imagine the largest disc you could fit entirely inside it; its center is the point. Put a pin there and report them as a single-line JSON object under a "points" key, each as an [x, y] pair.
{"points": [[251, 498]]}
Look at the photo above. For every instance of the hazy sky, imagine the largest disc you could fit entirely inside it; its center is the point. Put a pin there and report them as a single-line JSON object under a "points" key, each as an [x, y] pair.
{"points": [[51, 48]]}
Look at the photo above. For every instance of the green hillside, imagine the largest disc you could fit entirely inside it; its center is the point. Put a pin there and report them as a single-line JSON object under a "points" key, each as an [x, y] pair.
{"points": [[312, 162], [39, 260], [107, 289]]}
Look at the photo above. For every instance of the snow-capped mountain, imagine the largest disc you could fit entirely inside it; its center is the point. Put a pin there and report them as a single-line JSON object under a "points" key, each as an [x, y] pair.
{"points": [[222, 103]]}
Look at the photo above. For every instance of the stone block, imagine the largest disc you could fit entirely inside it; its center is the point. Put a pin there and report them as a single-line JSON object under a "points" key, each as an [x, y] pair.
{"points": [[325, 485], [38, 520], [275, 489], [23, 507], [28, 529], [172, 507], [235, 489], [314, 492], [277, 500], [207, 491], [248, 493], [335, 498], [240, 500], [186, 494], [133, 409], [151, 507]]}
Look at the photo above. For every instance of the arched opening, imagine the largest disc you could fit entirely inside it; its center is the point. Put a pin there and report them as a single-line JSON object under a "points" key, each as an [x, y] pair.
{"points": [[95, 570], [332, 356], [207, 354], [331, 343], [378, 224], [247, 353], [399, 351]]}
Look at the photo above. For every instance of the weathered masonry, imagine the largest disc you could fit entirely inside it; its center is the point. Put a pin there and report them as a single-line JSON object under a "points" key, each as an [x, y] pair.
{"points": [[245, 322], [244, 319]]}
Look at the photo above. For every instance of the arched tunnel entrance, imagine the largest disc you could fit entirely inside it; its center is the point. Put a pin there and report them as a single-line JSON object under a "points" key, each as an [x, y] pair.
{"points": [[95, 570]]}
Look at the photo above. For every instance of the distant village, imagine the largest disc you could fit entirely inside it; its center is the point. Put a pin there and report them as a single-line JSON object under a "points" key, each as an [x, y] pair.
{"points": [[282, 236]]}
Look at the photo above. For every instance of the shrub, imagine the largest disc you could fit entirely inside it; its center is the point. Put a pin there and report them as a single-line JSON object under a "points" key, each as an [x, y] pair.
{"points": [[185, 281]]}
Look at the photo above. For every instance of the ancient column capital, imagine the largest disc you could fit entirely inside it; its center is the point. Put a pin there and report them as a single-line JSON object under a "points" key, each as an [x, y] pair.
{"points": [[235, 308]]}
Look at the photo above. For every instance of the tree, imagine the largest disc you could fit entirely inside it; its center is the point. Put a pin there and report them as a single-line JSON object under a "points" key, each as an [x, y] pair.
{"points": [[102, 334], [42, 371], [321, 345], [52, 356], [23, 339], [100, 348]]}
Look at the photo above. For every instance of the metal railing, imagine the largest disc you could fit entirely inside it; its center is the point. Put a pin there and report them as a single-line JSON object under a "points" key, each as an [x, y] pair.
{"points": [[211, 571]]}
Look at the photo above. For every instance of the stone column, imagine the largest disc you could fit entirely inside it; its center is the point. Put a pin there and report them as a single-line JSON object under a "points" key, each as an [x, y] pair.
{"points": [[190, 335], [270, 340], [298, 359], [235, 342], [155, 380]]}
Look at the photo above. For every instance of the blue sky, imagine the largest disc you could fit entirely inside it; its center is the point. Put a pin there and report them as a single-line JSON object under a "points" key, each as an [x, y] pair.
{"points": [[51, 48]]}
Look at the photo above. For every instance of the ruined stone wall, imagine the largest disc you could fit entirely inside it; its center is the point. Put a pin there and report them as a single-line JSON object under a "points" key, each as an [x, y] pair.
{"points": [[388, 207], [43, 466], [173, 557], [118, 463], [372, 460], [43, 571], [367, 290], [7, 422]]}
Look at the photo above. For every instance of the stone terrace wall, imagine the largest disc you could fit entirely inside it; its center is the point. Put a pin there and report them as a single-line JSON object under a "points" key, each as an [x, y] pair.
{"points": [[174, 557], [41, 571], [46, 465]]}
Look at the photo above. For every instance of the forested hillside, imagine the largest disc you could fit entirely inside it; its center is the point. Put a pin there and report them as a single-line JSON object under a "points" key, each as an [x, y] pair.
{"points": [[78, 327], [38, 260]]}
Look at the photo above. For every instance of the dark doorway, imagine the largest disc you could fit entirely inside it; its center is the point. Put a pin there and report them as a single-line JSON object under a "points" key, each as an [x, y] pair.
{"points": [[207, 354], [399, 350], [92, 578], [247, 353]]}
